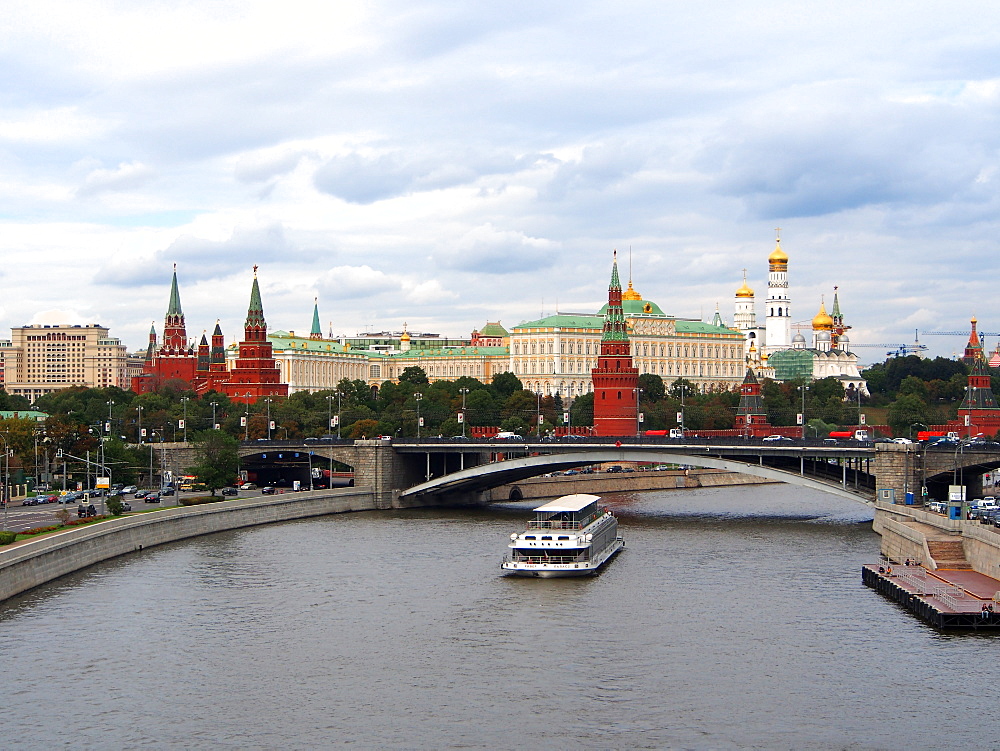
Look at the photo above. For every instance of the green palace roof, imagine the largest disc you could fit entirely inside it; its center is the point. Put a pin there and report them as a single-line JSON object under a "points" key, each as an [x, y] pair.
{"points": [[638, 309], [565, 321], [493, 330]]}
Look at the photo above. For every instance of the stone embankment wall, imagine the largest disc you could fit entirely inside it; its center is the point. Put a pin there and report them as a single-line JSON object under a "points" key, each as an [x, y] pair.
{"points": [[624, 482], [29, 564], [910, 532]]}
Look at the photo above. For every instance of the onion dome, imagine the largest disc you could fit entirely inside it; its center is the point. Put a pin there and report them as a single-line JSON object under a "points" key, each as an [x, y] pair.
{"points": [[405, 337], [744, 291], [822, 321], [631, 294], [778, 257]]}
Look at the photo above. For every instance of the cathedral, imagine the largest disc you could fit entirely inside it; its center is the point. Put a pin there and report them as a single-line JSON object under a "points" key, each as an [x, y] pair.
{"points": [[252, 375], [773, 352]]}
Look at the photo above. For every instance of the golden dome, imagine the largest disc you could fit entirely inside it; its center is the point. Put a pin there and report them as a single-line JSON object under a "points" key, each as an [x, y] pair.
{"points": [[405, 336], [744, 290], [631, 294], [822, 321], [778, 257]]}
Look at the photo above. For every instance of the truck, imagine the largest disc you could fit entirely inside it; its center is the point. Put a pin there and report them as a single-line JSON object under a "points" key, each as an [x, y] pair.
{"points": [[857, 435], [937, 436]]}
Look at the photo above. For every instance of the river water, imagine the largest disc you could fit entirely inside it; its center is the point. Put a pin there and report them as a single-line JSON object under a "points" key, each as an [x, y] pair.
{"points": [[735, 618]]}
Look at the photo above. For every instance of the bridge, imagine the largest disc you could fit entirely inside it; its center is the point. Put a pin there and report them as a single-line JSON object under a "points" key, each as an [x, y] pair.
{"points": [[442, 470]]}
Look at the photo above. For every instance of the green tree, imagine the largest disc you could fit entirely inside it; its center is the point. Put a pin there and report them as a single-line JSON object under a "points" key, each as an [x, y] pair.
{"points": [[582, 411], [652, 387], [904, 412], [413, 374], [218, 459], [505, 384]]}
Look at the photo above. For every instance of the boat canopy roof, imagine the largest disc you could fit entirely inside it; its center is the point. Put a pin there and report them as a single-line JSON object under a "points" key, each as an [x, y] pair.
{"points": [[568, 504]]}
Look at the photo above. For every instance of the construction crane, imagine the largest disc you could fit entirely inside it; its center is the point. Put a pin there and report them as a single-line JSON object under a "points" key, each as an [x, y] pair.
{"points": [[982, 335], [899, 350]]}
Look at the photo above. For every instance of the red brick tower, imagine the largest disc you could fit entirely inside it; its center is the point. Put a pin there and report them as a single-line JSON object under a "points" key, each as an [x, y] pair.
{"points": [[751, 414], [616, 381], [254, 373], [974, 348], [175, 358]]}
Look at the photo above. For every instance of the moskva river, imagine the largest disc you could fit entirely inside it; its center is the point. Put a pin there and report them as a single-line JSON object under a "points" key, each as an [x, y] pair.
{"points": [[735, 618]]}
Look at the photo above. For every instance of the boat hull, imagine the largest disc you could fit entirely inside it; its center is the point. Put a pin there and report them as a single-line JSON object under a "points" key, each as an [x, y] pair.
{"points": [[556, 570]]}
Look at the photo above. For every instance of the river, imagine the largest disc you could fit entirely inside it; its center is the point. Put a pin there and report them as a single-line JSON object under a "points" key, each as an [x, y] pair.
{"points": [[735, 618]]}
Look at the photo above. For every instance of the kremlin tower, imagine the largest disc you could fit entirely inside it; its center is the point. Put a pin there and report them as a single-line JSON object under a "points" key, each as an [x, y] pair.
{"points": [[175, 358], [255, 373], [616, 380], [779, 322]]}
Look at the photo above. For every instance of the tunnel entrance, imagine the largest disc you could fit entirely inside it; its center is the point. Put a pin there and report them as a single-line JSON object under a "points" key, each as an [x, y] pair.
{"points": [[283, 468]]}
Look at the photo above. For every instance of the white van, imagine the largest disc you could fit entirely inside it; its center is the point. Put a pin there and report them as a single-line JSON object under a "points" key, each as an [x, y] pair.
{"points": [[676, 433], [506, 435]]}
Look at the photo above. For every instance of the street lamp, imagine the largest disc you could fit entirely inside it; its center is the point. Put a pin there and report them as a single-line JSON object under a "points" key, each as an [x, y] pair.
{"points": [[107, 428], [418, 396], [803, 388], [214, 425], [184, 401], [638, 416], [463, 392], [139, 409], [913, 425], [338, 414], [538, 417], [268, 403], [5, 496]]}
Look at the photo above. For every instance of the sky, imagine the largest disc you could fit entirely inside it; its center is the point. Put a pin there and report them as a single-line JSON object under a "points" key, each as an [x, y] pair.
{"points": [[443, 164]]}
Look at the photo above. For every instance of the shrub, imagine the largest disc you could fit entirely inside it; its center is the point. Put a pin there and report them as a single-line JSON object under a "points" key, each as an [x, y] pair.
{"points": [[7, 537], [198, 500], [115, 505]]}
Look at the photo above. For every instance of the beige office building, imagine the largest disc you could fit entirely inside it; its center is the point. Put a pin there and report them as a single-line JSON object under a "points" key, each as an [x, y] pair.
{"points": [[41, 359]]}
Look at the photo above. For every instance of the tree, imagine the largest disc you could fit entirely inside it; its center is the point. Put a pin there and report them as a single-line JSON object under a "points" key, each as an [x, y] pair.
{"points": [[652, 387], [218, 459], [907, 410], [414, 375], [582, 411], [505, 384]]}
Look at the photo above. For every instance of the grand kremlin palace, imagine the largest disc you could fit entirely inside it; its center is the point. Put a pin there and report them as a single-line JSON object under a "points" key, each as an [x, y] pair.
{"points": [[550, 355]]}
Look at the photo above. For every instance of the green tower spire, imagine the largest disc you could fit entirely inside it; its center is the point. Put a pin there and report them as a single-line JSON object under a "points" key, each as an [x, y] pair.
{"points": [[317, 331], [614, 318], [174, 307], [255, 314]]}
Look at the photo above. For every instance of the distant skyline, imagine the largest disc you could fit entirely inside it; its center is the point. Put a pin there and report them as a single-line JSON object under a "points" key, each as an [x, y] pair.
{"points": [[446, 164]]}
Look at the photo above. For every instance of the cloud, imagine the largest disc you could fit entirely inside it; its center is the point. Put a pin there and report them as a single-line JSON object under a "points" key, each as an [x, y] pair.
{"points": [[126, 176], [367, 178], [487, 250]]}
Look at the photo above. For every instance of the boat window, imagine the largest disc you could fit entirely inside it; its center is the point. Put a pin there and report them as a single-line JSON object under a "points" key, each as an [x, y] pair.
{"points": [[563, 537], [529, 537], [546, 537]]}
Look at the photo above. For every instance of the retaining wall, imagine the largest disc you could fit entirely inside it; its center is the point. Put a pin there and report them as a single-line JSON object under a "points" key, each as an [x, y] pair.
{"points": [[29, 564]]}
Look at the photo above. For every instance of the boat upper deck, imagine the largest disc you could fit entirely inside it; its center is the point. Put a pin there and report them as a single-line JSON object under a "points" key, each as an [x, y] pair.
{"points": [[569, 512]]}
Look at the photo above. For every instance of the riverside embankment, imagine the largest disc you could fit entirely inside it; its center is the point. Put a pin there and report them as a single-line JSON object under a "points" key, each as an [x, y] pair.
{"points": [[30, 563]]}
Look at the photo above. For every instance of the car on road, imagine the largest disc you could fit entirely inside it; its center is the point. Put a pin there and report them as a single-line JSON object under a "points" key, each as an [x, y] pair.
{"points": [[166, 491], [230, 491], [614, 469], [129, 489], [267, 490], [139, 494], [126, 506], [506, 435], [249, 486], [777, 438], [902, 440], [151, 498]]}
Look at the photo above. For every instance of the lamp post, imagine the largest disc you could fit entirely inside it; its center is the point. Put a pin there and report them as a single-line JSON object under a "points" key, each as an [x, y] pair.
{"points": [[268, 403], [538, 416], [418, 397], [139, 436], [152, 433], [803, 388], [107, 428], [214, 425], [463, 392], [5, 496], [638, 416], [913, 425], [339, 394], [184, 401]]}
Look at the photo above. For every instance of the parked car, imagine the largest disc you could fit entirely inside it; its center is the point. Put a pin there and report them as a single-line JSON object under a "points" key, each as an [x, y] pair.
{"points": [[267, 490], [614, 469], [230, 491]]}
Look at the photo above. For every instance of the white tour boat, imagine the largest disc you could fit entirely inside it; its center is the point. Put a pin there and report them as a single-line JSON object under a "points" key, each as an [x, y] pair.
{"points": [[572, 536]]}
